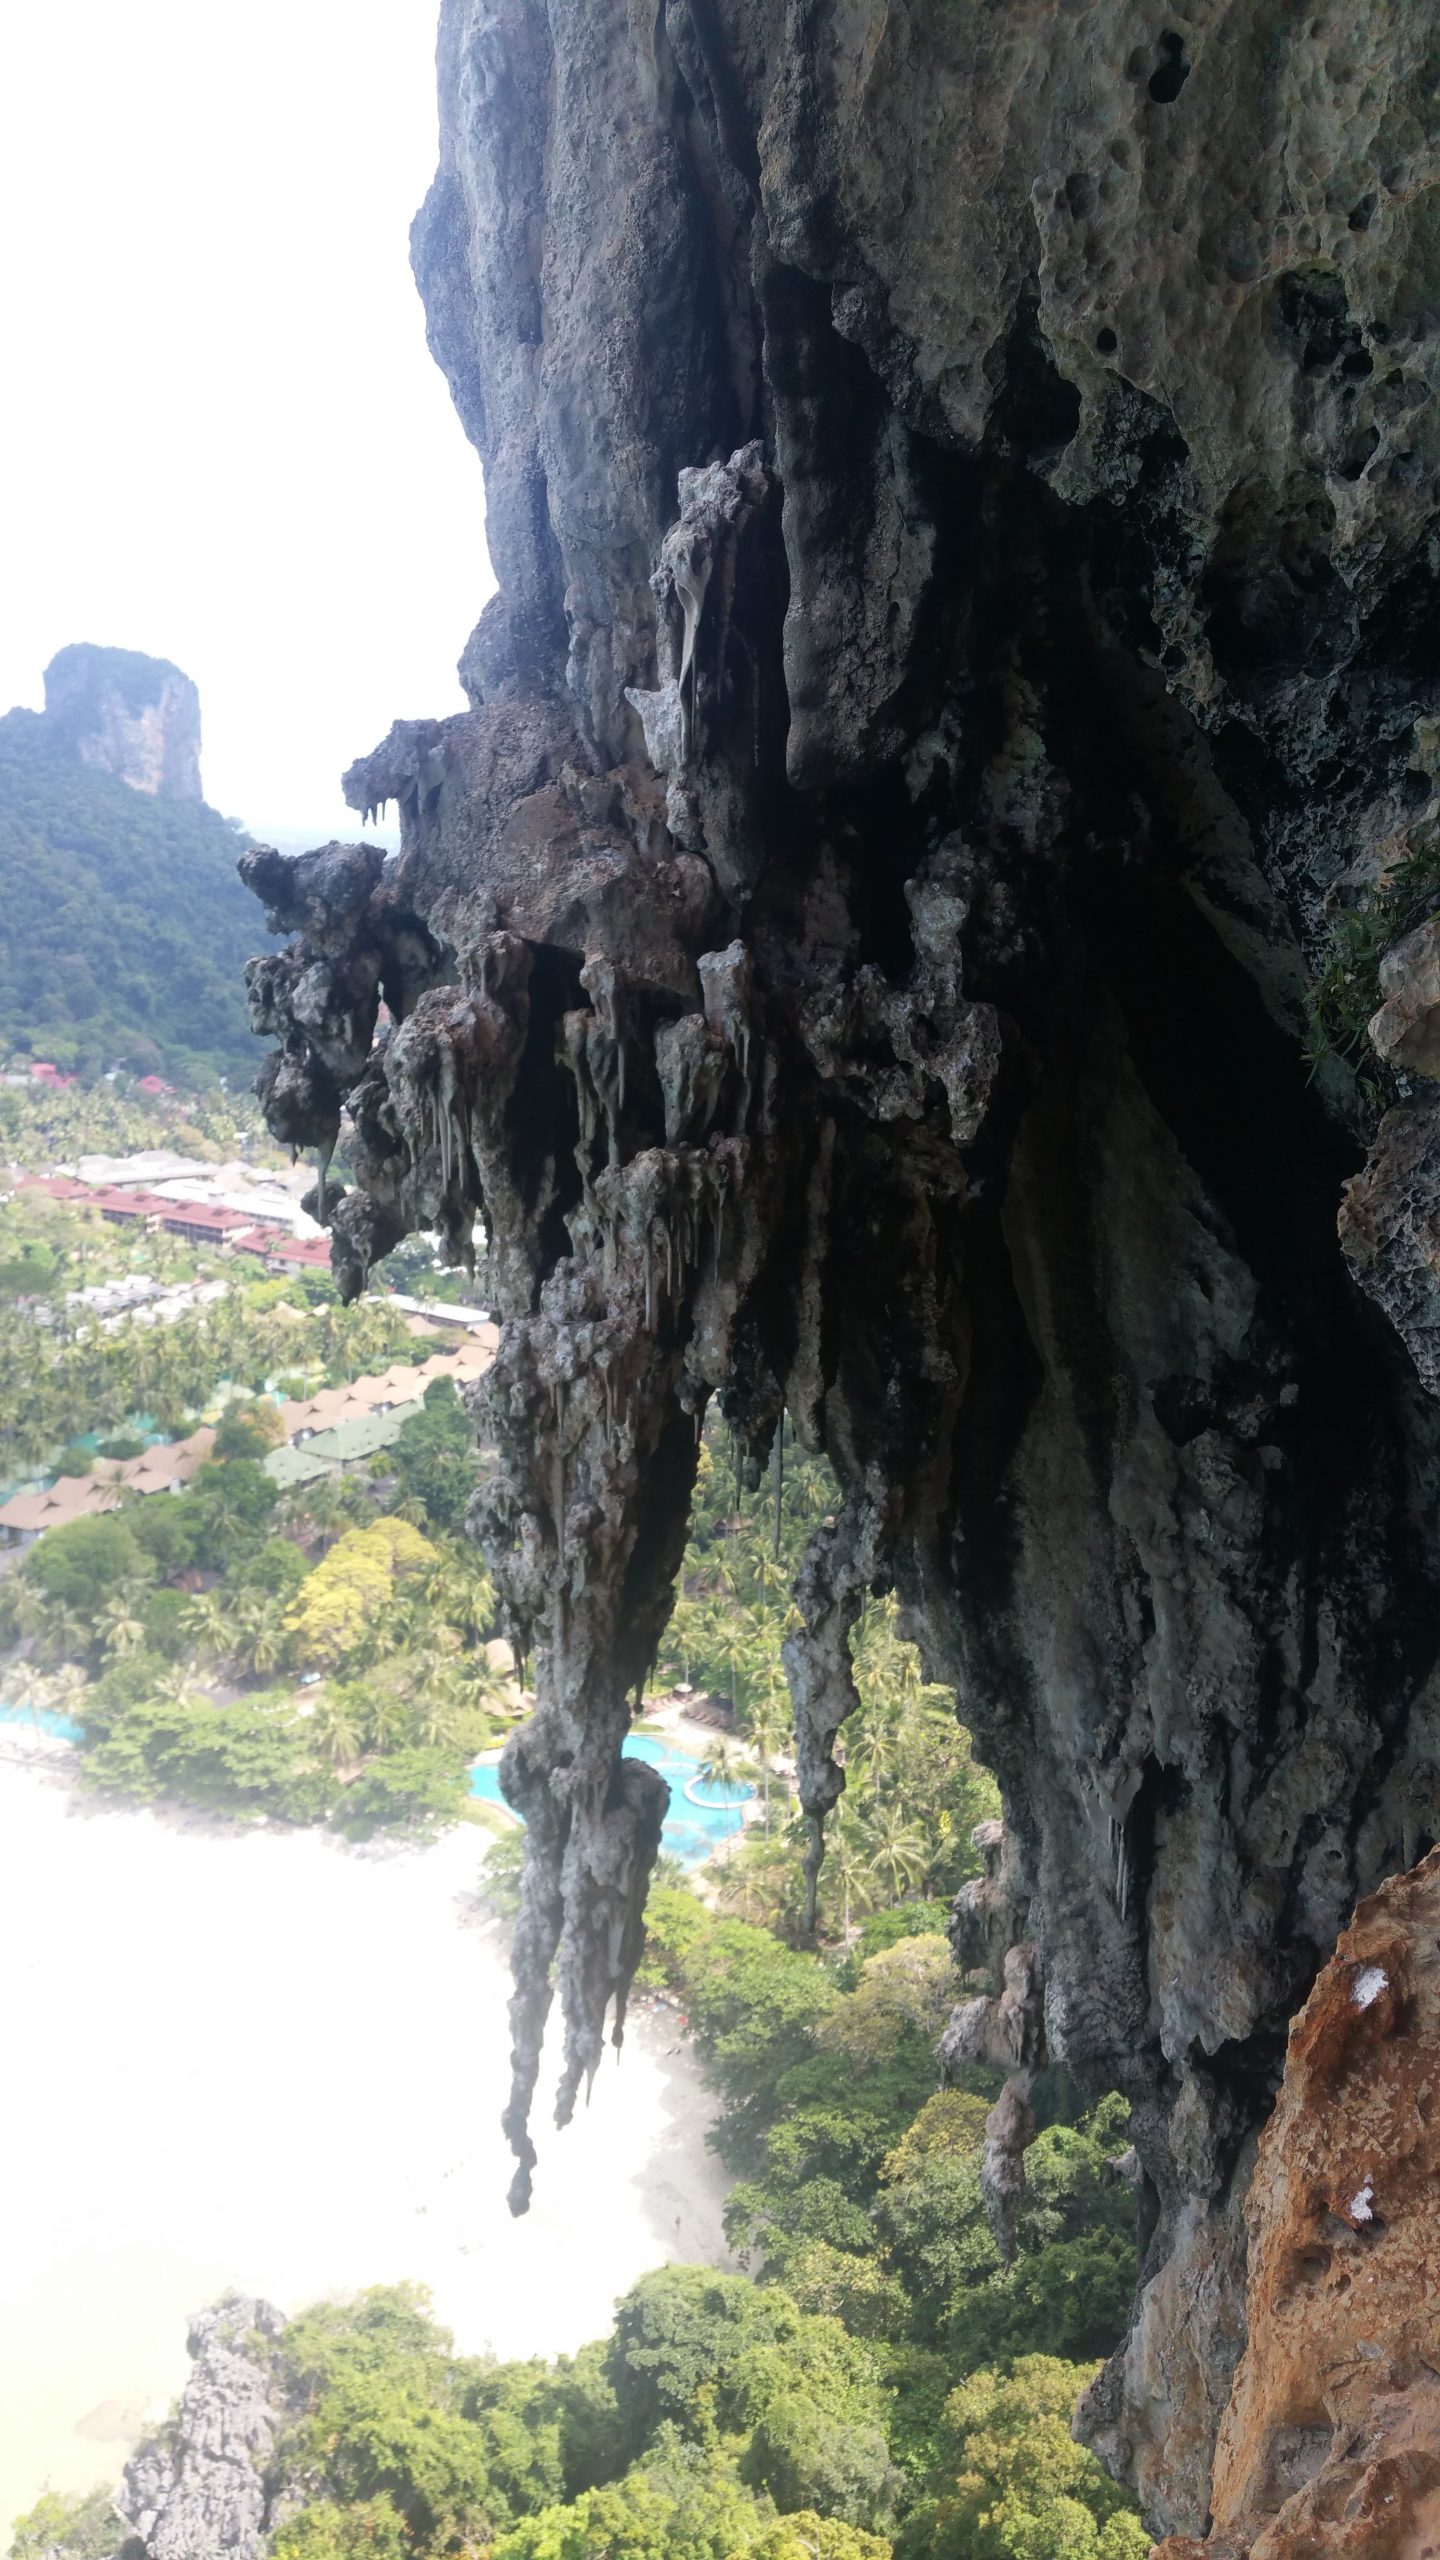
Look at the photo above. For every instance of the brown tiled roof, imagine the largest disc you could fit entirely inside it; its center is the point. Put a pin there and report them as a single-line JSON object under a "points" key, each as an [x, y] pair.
{"points": [[76, 1497], [68, 1498]]}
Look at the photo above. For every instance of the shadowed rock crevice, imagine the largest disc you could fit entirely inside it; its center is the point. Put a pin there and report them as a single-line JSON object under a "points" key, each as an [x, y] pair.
{"points": [[961, 636]]}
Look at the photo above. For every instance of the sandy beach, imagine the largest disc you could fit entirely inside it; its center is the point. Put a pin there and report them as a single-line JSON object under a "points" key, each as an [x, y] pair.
{"points": [[266, 2060]]}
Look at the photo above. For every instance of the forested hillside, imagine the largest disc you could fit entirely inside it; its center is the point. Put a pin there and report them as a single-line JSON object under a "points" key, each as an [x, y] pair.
{"points": [[126, 928]]}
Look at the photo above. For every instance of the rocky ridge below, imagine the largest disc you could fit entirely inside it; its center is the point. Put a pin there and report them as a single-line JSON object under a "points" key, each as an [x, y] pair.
{"points": [[197, 2489]]}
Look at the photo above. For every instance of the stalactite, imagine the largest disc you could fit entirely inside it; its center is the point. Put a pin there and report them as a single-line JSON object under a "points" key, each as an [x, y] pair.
{"points": [[921, 881]]}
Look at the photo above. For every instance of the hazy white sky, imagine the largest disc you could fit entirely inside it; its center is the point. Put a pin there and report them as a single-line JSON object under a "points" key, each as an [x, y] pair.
{"points": [[222, 437]]}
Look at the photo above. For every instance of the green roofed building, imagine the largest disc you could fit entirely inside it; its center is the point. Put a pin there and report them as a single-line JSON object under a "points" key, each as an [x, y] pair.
{"points": [[296, 1465], [348, 1442]]}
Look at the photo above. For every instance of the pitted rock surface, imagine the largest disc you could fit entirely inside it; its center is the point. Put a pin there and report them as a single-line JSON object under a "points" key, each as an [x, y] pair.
{"points": [[963, 485]]}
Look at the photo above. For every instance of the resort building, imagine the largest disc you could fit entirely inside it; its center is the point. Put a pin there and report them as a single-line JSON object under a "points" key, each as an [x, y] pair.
{"points": [[166, 1468], [338, 1428]]}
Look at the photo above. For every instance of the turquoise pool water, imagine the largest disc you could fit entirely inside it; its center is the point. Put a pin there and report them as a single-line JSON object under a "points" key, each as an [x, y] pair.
{"points": [[64, 1728], [691, 1831]]}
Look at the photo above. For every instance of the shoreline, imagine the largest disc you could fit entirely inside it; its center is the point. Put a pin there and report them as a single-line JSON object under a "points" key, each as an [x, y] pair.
{"points": [[276, 2060]]}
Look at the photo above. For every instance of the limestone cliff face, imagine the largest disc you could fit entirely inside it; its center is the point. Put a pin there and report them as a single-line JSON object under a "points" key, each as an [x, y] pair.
{"points": [[1330, 2447], [197, 2490], [963, 484], [135, 717]]}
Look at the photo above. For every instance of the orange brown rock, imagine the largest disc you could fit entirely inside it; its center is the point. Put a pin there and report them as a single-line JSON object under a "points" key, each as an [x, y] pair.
{"points": [[1330, 2447]]}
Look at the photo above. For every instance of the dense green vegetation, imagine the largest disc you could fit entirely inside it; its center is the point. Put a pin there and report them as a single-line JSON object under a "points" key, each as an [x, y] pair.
{"points": [[913, 1794], [80, 2528], [190, 1692], [434, 1458], [44, 1124], [127, 929], [723, 2417], [181, 1692], [76, 1376], [859, 2181]]}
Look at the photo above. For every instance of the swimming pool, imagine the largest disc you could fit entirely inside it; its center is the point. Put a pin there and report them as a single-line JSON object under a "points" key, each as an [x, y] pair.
{"points": [[63, 1728], [691, 1831]]}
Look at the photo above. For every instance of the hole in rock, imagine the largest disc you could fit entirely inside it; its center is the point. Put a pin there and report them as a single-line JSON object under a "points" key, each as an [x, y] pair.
{"points": [[1106, 341], [1313, 311], [1357, 454], [1363, 214], [1415, 789], [1171, 73]]}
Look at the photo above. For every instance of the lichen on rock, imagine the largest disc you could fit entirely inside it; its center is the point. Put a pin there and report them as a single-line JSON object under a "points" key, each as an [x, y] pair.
{"points": [[963, 487]]}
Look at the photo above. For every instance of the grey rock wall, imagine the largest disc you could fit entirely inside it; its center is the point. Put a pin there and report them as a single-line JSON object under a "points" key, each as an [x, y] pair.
{"points": [[963, 484], [197, 2491]]}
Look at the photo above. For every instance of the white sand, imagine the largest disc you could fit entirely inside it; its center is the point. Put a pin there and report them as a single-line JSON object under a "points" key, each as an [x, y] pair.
{"points": [[268, 2061]]}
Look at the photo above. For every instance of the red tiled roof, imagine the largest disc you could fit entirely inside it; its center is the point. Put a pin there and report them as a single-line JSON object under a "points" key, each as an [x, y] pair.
{"points": [[277, 1246], [60, 1186], [194, 1213]]}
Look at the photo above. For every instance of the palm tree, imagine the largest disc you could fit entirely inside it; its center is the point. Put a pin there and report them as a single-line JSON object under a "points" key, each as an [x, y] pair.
{"points": [[720, 1766], [68, 1688], [266, 1640], [897, 1849], [177, 1686], [439, 1717], [34, 1612], [208, 1622], [875, 1746], [257, 1631], [120, 1626], [684, 1634], [335, 1724], [466, 1597], [324, 1510], [388, 1720], [726, 1769], [768, 1730], [846, 1866], [33, 1692], [769, 1575], [67, 1635]]}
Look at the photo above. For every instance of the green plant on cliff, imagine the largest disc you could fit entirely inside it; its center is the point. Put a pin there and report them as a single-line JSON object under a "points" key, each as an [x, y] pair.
{"points": [[1346, 995]]}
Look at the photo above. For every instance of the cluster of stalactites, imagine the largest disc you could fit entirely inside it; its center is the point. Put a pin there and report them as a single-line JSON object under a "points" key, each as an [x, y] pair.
{"points": [[595, 1405], [702, 1156]]}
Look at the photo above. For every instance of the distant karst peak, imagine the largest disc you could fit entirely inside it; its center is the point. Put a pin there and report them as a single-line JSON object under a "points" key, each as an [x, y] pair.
{"points": [[135, 717]]}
